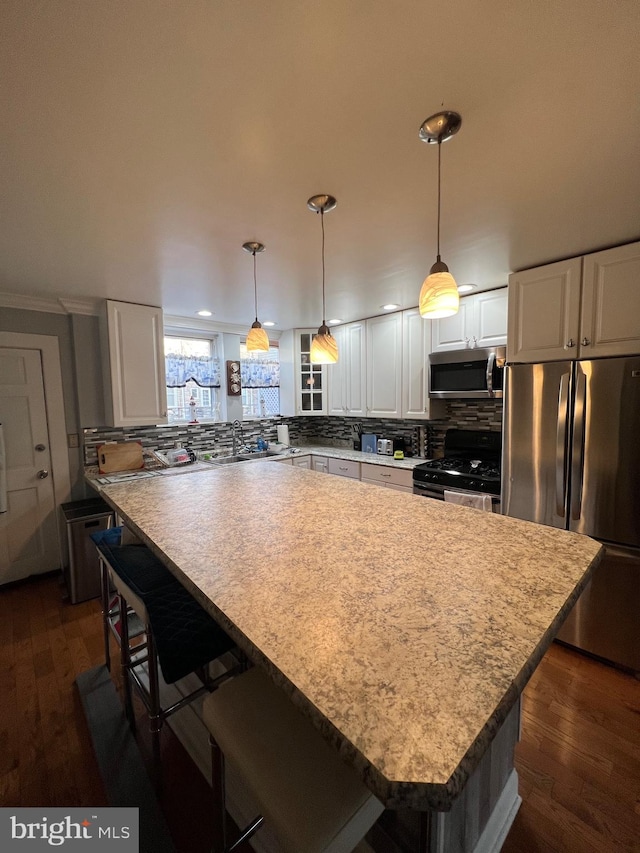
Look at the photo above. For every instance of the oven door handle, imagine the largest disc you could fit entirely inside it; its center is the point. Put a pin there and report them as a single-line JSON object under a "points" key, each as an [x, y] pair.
{"points": [[490, 365]]}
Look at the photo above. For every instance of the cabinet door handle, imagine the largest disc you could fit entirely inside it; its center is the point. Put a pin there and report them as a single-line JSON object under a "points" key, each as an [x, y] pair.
{"points": [[382, 474], [585, 342], [569, 344], [342, 468]]}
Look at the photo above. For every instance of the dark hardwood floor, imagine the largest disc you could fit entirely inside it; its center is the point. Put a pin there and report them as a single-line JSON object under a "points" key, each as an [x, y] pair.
{"points": [[578, 760]]}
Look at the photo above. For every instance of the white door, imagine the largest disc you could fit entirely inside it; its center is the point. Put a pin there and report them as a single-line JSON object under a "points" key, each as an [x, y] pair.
{"points": [[28, 530]]}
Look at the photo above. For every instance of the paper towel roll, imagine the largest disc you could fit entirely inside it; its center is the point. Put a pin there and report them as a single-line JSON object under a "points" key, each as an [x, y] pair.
{"points": [[283, 434]]}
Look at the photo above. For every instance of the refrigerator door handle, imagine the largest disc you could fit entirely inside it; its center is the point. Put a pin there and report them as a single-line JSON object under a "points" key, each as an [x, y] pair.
{"points": [[577, 455], [561, 444]]}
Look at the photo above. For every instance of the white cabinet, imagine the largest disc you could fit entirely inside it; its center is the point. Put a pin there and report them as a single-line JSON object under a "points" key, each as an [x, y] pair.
{"points": [[416, 346], [302, 384], [347, 379], [132, 341], [344, 468], [580, 308], [303, 462], [480, 322], [384, 366], [400, 479], [320, 463]]}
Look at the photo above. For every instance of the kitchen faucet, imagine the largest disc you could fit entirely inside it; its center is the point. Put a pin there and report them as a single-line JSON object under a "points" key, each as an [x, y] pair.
{"points": [[237, 426]]}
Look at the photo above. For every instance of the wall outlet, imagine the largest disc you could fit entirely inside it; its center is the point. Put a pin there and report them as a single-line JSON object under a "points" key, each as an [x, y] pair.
{"points": [[73, 440]]}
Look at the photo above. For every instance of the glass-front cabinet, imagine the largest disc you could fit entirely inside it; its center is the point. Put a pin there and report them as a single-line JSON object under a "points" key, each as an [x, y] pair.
{"points": [[311, 390], [302, 384]]}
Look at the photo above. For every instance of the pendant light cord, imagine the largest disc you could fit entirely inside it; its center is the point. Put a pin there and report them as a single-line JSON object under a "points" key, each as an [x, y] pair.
{"points": [[255, 284], [438, 232], [323, 300]]}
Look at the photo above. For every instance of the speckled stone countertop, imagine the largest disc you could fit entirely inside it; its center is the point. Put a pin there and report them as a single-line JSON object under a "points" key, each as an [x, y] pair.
{"points": [[404, 628], [408, 464]]}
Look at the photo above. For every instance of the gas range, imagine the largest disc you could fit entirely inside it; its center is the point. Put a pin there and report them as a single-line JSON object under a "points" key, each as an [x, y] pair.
{"points": [[471, 464]]}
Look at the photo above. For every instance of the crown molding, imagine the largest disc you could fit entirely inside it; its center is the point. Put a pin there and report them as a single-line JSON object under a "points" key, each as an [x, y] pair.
{"points": [[199, 324], [89, 307], [49, 304]]}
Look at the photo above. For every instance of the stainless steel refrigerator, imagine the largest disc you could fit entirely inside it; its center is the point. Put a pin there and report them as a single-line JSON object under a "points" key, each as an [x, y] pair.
{"points": [[571, 459]]}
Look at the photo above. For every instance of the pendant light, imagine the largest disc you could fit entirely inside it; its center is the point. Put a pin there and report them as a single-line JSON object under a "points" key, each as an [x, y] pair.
{"points": [[257, 339], [324, 349], [439, 293]]}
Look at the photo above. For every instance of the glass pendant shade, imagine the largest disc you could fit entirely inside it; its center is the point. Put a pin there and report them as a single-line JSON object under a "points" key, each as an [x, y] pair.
{"points": [[439, 296], [257, 339], [324, 348]]}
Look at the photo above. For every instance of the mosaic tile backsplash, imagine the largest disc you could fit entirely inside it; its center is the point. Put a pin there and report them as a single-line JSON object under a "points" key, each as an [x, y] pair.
{"points": [[426, 438]]}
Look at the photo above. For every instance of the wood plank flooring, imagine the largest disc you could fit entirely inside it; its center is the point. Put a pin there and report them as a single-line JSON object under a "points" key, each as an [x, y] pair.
{"points": [[578, 760]]}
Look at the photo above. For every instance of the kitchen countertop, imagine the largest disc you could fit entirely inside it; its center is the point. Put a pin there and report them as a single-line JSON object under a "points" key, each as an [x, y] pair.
{"points": [[404, 629], [408, 464]]}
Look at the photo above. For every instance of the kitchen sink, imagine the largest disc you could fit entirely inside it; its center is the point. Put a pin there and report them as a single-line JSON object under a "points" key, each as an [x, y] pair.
{"points": [[227, 460]]}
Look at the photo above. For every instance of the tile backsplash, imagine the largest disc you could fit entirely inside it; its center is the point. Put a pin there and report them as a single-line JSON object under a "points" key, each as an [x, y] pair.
{"points": [[425, 437]]}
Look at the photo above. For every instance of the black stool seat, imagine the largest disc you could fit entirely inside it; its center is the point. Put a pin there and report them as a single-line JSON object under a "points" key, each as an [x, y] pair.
{"points": [[186, 637]]}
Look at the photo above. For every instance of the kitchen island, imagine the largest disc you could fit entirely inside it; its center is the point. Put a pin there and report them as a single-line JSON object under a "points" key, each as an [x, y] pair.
{"points": [[405, 629]]}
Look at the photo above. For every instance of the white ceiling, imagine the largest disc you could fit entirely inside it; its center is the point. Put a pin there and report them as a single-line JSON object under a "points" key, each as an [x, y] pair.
{"points": [[143, 141]]}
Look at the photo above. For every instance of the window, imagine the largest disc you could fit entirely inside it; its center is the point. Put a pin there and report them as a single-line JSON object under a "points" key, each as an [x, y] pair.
{"points": [[193, 379], [260, 376]]}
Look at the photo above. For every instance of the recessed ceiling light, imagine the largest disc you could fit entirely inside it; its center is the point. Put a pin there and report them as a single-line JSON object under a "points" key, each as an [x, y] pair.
{"points": [[466, 288], [268, 323], [335, 321], [204, 313], [391, 306]]}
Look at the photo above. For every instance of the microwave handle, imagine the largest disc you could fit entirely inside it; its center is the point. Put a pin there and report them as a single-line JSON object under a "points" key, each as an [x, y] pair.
{"points": [[490, 365]]}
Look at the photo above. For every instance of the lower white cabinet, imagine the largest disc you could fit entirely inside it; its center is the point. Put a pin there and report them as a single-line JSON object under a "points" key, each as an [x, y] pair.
{"points": [[320, 463], [344, 468], [400, 479], [304, 462]]}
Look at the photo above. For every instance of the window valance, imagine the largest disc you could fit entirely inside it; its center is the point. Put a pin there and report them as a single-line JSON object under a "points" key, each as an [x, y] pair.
{"points": [[204, 370], [259, 374]]}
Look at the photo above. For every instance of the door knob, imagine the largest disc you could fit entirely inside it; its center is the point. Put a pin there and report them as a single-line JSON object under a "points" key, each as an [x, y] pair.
{"points": [[585, 342], [569, 344], [40, 447], [43, 474]]}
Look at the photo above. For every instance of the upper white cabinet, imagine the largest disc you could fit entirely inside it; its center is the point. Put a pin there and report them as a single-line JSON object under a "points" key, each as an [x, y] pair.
{"points": [[384, 366], [580, 308], [302, 384], [480, 322], [347, 379], [132, 338], [416, 346], [610, 315]]}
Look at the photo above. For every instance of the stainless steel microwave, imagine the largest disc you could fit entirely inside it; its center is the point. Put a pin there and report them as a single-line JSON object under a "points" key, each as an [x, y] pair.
{"points": [[471, 374]]}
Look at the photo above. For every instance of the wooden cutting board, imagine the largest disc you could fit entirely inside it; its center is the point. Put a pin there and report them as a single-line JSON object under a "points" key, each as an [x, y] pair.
{"points": [[120, 456]]}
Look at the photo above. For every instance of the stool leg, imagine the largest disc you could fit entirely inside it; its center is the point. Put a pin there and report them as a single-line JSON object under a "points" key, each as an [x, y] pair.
{"points": [[104, 591], [125, 661], [155, 710], [218, 791]]}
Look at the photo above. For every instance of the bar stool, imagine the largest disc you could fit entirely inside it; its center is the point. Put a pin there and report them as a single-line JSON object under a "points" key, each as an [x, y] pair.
{"points": [[174, 631], [313, 802]]}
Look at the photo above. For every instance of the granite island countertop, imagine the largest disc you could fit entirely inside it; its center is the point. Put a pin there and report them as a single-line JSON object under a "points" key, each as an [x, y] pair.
{"points": [[405, 629]]}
